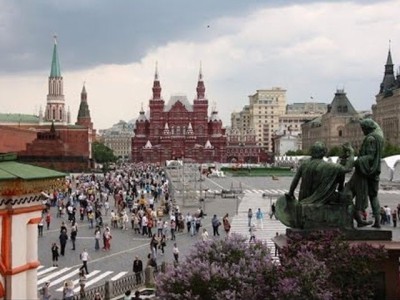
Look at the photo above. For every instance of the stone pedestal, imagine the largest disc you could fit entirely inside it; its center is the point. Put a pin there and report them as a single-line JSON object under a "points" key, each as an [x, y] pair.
{"points": [[388, 278], [361, 234]]}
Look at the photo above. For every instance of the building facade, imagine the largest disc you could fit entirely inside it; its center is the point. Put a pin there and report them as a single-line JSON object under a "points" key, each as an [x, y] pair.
{"points": [[178, 129], [265, 109], [242, 147], [386, 111], [119, 139], [271, 119], [340, 124]]}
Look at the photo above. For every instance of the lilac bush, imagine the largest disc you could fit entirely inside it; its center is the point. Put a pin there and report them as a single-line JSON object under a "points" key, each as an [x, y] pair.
{"points": [[221, 269], [352, 269], [321, 267]]}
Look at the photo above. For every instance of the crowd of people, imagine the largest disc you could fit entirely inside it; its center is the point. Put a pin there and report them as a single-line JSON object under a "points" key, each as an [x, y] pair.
{"points": [[133, 197]]}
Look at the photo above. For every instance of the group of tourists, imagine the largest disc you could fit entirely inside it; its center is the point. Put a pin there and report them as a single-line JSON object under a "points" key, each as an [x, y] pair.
{"points": [[389, 216], [134, 199]]}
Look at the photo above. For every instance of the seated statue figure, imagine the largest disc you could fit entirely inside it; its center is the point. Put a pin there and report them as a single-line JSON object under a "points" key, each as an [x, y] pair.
{"points": [[321, 202]]}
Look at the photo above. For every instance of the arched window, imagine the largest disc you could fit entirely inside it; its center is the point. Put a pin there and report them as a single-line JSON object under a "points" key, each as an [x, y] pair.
{"points": [[61, 114], [54, 114]]}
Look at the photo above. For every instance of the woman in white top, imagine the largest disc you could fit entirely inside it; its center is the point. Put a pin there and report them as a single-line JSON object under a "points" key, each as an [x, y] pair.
{"points": [[204, 235]]}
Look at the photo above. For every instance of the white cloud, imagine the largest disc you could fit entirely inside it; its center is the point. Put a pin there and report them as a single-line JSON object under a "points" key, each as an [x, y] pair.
{"points": [[308, 49]]}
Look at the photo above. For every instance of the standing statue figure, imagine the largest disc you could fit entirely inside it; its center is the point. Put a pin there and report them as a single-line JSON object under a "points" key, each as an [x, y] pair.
{"points": [[364, 182]]}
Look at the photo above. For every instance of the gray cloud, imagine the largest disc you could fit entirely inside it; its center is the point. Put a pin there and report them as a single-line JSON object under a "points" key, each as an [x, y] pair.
{"points": [[93, 32]]}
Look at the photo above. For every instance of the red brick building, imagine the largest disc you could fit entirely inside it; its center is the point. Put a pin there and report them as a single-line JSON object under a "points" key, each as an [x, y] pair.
{"points": [[179, 129], [49, 140]]}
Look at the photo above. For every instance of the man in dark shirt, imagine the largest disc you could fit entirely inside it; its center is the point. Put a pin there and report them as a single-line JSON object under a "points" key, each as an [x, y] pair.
{"points": [[138, 269]]}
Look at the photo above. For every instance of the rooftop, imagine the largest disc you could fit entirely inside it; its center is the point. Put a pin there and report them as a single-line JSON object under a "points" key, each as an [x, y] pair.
{"points": [[11, 169]]}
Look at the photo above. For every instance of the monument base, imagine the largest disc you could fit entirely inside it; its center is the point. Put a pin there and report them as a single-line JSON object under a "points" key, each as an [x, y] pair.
{"points": [[387, 283], [360, 234]]}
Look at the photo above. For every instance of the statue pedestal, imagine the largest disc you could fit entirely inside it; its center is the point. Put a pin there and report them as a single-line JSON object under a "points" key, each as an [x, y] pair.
{"points": [[388, 279], [360, 234]]}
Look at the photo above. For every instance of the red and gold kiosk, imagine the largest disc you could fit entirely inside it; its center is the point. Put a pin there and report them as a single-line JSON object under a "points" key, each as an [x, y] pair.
{"points": [[20, 211]]}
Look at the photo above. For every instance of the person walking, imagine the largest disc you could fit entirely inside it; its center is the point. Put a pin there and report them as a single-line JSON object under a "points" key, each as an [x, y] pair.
{"points": [[107, 239], [82, 284], [273, 211], [40, 227], [48, 220], [260, 217], [249, 216], [154, 245], [252, 234], [74, 232], [227, 224], [163, 243], [175, 252], [172, 228], [63, 241], [44, 291], [188, 219], [394, 218], [138, 269], [54, 254], [204, 235], [68, 290], [97, 237], [84, 256], [215, 225]]}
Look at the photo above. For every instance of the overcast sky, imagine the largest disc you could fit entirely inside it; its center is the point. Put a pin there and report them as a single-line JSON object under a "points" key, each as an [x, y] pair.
{"points": [[309, 48]]}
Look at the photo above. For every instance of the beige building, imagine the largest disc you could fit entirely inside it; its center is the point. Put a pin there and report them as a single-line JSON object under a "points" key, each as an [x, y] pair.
{"points": [[119, 139], [262, 115], [270, 117], [386, 111], [340, 124]]}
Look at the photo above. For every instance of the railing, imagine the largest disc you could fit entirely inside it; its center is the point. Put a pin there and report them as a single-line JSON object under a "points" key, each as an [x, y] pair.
{"points": [[113, 289]]}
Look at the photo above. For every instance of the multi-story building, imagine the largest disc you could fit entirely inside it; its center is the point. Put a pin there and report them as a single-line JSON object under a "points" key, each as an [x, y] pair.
{"points": [[119, 139], [179, 129], [386, 111], [265, 108], [271, 118], [288, 135], [340, 124]]}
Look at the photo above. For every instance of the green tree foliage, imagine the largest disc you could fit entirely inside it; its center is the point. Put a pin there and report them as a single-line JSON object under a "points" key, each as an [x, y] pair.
{"points": [[334, 151], [295, 152], [390, 149], [102, 154]]}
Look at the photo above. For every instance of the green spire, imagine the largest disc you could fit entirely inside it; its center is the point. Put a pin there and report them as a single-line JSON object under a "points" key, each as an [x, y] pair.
{"points": [[55, 63]]}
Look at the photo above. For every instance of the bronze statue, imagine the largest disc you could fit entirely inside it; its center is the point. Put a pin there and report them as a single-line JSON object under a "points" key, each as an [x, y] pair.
{"points": [[324, 201], [364, 182], [321, 183]]}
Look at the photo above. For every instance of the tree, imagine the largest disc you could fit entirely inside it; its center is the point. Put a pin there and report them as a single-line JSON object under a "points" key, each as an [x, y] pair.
{"points": [[390, 149], [102, 154], [352, 269], [334, 151], [295, 152], [321, 266]]}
